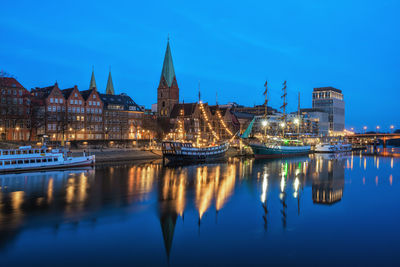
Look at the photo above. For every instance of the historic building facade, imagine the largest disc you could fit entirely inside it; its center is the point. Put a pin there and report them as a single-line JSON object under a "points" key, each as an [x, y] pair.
{"points": [[15, 123], [168, 90]]}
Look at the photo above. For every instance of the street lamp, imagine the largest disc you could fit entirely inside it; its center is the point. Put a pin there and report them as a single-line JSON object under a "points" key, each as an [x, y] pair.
{"points": [[264, 123], [282, 124], [392, 128], [365, 129], [377, 128]]}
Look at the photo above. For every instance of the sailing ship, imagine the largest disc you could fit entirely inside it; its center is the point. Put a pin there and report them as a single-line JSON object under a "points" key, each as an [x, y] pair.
{"points": [[277, 146], [29, 159], [191, 151]]}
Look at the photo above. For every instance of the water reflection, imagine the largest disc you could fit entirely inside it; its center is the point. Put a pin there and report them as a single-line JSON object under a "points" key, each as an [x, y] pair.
{"points": [[280, 187]]}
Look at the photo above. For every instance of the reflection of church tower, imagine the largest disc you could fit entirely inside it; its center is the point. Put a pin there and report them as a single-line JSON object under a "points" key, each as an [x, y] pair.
{"points": [[168, 90], [168, 222], [171, 203]]}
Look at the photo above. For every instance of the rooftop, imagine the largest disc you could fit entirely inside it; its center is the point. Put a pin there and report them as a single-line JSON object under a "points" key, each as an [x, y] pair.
{"points": [[327, 89]]}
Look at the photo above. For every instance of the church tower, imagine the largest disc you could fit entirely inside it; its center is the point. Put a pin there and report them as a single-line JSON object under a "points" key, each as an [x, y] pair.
{"points": [[168, 90], [110, 86], [92, 81]]}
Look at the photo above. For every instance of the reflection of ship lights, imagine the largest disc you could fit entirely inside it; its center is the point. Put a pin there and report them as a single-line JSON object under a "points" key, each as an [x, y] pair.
{"points": [[283, 183], [264, 188], [296, 186]]}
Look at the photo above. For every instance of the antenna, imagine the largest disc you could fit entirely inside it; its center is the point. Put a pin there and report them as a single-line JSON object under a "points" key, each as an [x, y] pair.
{"points": [[199, 93]]}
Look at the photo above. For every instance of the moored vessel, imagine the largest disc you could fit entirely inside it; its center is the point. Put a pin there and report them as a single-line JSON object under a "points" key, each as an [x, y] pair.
{"points": [[180, 151], [279, 148], [29, 159]]}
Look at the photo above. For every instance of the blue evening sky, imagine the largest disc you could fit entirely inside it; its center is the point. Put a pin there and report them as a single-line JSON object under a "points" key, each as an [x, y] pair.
{"points": [[229, 46]]}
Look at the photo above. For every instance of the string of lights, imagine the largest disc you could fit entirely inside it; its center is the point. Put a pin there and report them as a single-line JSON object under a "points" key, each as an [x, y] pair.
{"points": [[208, 121]]}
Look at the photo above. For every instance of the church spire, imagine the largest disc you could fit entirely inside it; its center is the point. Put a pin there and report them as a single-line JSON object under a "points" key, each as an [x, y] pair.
{"points": [[110, 86], [168, 71], [92, 81]]}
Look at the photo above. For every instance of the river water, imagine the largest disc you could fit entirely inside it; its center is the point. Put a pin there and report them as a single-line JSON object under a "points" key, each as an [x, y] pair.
{"points": [[315, 210]]}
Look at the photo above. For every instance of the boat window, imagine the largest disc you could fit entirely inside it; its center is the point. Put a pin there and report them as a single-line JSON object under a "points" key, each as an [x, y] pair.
{"points": [[5, 152], [42, 151], [47, 150], [6, 162], [44, 160], [18, 152], [1, 163], [30, 151], [13, 162], [50, 160], [26, 161], [55, 159], [20, 161], [25, 151], [38, 160], [12, 152], [31, 161]]}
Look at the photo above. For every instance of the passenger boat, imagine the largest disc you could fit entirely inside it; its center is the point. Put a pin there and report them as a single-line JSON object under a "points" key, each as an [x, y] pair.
{"points": [[279, 149], [180, 151], [332, 148], [29, 159]]}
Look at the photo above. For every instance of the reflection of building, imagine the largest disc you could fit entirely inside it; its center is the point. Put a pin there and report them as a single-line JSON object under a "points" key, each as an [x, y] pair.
{"points": [[327, 187], [330, 100]]}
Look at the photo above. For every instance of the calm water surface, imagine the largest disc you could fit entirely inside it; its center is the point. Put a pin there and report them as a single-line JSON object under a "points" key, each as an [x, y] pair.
{"points": [[320, 210]]}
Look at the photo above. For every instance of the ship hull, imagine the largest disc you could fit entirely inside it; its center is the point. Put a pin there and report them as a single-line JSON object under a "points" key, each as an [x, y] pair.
{"points": [[181, 154], [264, 152], [76, 163]]}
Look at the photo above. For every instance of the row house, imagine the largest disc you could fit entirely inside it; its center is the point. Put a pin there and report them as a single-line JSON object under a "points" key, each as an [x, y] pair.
{"points": [[73, 124], [15, 123], [94, 114], [48, 111], [123, 118]]}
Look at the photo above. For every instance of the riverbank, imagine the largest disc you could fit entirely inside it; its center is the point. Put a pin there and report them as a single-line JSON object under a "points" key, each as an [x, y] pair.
{"points": [[110, 155]]}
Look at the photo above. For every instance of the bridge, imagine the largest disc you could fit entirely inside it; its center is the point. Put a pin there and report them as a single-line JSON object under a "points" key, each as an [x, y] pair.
{"points": [[372, 138]]}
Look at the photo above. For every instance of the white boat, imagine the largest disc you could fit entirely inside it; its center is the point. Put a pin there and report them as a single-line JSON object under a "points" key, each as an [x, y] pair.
{"points": [[332, 148], [325, 148], [28, 159]]}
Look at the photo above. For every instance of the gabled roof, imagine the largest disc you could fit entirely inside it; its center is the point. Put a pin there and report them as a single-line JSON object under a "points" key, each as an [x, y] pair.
{"points": [[222, 110], [67, 92], [86, 93], [122, 100], [188, 110], [168, 71], [110, 86], [10, 82], [44, 92]]}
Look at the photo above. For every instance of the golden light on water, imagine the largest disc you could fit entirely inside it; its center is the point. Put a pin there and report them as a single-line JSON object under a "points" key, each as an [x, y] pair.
{"points": [[50, 190], [226, 187]]}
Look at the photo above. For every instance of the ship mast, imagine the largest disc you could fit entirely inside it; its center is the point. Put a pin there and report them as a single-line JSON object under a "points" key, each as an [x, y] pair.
{"points": [[283, 107], [266, 99]]}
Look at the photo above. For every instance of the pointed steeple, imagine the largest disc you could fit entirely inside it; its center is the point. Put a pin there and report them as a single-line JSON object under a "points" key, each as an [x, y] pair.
{"points": [[168, 71], [110, 86], [92, 81]]}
